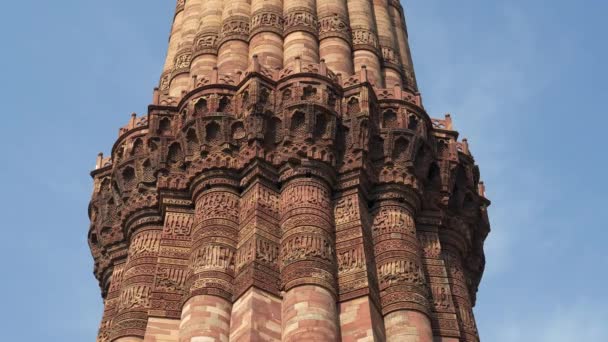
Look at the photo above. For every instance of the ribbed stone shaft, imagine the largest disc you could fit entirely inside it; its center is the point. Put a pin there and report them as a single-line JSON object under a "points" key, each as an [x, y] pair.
{"points": [[308, 262], [137, 280], [206, 314], [347, 34]]}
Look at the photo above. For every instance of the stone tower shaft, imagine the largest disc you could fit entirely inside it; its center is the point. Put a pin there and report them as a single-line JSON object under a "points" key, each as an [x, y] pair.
{"points": [[287, 184], [222, 37]]}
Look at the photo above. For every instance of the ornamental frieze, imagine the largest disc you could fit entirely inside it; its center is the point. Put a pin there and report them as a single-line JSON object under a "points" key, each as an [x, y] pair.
{"points": [[346, 210], [334, 26], [400, 271], [217, 205], [137, 296], [178, 224], [442, 297], [262, 198], [170, 279], [205, 42], [295, 196], [266, 21], [365, 39], [393, 220], [234, 28], [300, 19], [391, 57], [257, 249], [165, 80], [302, 247], [148, 242], [352, 259], [182, 62], [430, 244], [212, 257]]}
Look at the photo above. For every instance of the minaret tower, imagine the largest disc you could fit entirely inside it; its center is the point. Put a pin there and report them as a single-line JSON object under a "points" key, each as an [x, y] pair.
{"points": [[286, 184]]}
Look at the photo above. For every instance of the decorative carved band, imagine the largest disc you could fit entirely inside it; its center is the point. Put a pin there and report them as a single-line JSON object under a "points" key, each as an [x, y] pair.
{"points": [[365, 39], [181, 62], [178, 225], [393, 221], [391, 58], [257, 249], [135, 297], [307, 250], [205, 42], [165, 81], [234, 28], [266, 20], [144, 244], [301, 19], [306, 246], [402, 271], [334, 26]]}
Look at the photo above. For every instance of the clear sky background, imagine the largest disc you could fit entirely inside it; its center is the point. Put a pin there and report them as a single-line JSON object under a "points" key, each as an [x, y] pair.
{"points": [[525, 81]]}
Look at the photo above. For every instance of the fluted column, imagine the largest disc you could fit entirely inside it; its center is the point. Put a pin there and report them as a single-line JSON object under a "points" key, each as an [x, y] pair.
{"points": [[365, 39], [266, 34], [174, 40], [110, 302], [403, 287], [256, 313], [391, 63], [398, 18], [204, 57], [460, 291], [360, 315], [171, 272], [180, 77], [300, 31], [137, 283], [206, 313], [444, 319], [334, 36], [233, 47], [308, 269]]}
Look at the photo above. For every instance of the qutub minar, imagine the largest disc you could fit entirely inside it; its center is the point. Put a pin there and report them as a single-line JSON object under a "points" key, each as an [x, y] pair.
{"points": [[287, 184]]}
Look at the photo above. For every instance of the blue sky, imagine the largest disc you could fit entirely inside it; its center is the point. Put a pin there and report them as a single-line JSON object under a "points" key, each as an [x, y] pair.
{"points": [[523, 79]]}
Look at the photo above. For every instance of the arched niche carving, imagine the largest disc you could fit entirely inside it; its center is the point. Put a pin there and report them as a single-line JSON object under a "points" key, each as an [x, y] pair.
{"points": [[353, 106], [298, 124], [213, 133], [201, 106], [128, 177], [164, 126], [192, 142], [321, 125], [389, 119], [175, 155], [224, 105], [274, 133], [400, 150], [138, 147], [238, 131]]}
